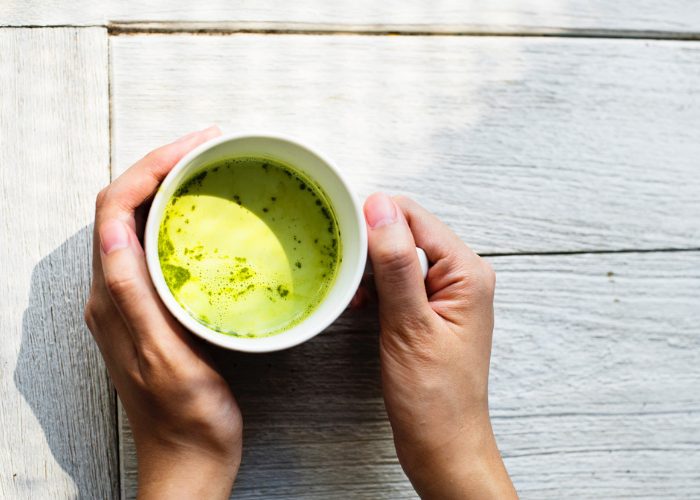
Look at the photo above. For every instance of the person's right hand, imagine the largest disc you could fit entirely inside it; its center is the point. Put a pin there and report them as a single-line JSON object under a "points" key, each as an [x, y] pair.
{"points": [[435, 349]]}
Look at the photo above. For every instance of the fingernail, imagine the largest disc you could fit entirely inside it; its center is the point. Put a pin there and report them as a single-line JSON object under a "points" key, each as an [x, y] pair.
{"points": [[113, 236], [380, 210], [211, 128], [187, 137]]}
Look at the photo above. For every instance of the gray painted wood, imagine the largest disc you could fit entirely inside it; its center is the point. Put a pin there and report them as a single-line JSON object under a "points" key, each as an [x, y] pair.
{"points": [[668, 15], [593, 390], [522, 144], [58, 437], [595, 374]]}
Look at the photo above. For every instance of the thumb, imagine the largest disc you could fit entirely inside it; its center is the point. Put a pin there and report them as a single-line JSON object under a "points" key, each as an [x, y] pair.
{"points": [[397, 272], [127, 281]]}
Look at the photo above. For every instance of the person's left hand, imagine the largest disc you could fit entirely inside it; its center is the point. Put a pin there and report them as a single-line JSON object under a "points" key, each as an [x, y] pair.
{"points": [[185, 420]]}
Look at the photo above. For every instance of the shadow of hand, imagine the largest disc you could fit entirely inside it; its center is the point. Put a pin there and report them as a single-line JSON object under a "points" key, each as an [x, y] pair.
{"points": [[60, 374]]}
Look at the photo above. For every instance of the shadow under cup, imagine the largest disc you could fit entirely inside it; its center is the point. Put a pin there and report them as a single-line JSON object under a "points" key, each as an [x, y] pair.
{"points": [[348, 213]]}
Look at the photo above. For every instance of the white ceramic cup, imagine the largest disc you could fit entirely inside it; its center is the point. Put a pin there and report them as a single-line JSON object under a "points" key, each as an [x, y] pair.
{"points": [[347, 209]]}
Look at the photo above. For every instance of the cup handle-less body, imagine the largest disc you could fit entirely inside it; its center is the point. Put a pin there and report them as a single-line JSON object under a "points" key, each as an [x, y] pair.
{"points": [[349, 216], [422, 259]]}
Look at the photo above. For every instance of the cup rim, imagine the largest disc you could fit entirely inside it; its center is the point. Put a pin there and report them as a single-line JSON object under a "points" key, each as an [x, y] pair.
{"points": [[275, 342]]}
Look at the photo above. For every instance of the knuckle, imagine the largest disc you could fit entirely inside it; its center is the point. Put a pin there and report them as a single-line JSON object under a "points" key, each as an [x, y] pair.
{"points": [[395, 259], [489, 275], [402, 199], [153, 156], [480, 279], [156, 159], [89, 314], [120, 286], [95, 312], [474, 280], [101, 198]]}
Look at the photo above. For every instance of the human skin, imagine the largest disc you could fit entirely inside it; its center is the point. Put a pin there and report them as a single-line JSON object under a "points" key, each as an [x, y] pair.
{"points": [[186, 424], [435, 347]]}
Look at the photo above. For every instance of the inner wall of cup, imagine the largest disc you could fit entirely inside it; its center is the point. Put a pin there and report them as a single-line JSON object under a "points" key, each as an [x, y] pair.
{"points": [[341, 199]]}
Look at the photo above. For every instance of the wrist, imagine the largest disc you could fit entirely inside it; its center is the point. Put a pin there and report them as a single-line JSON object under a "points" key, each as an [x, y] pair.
{"points": [[468, 466], [189, 473]]}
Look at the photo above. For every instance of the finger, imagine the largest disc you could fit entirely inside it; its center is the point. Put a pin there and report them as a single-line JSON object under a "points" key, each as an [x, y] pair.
{"points": [[140, 181], [450, 258], [97, 279], [140, 219], [397, 272], [109, 331], [137, 184], [360, 299], [457, 272], [430, 233], [115, 343], [126, 278]]}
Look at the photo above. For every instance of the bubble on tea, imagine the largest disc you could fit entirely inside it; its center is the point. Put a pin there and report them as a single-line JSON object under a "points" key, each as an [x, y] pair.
{"points": [[249, 246]]}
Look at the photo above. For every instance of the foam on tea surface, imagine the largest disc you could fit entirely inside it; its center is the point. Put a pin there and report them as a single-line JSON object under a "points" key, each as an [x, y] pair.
{"points": [[249, 247]]}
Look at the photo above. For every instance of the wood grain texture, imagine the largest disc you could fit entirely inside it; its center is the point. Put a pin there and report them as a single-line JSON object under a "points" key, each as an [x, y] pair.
{"points": [[595, 374], [522, 145], [58, 432], [593, 390], [668, 15]]}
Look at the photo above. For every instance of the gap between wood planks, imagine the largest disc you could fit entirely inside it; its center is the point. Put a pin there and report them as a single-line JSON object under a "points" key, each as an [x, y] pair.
{"points": [[244, 27], [520, 416], [592, 251], [122, 28], [136, 28], [118, 28]]}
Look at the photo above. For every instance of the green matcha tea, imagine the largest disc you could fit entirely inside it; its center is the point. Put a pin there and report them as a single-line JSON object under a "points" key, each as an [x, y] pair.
{"points": [[249, 247]]}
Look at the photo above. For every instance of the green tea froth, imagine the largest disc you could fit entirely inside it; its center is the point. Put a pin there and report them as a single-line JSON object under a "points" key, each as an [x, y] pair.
{"points": [[249, 247]]}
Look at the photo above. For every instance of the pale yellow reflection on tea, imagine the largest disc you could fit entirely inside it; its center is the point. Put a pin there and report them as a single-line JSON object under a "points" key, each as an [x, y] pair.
{"points": [[249, 247]]}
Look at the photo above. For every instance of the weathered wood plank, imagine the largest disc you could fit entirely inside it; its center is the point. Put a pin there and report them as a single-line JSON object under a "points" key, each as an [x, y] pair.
{"points": [[58, 432], [547, 145], [669, 15], [595, 374], [594, 390], [523, 145]]}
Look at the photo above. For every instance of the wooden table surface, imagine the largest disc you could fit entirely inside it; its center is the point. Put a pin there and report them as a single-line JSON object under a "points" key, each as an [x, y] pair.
{"points": [[561, 139]]}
